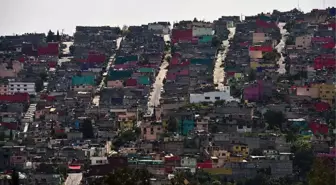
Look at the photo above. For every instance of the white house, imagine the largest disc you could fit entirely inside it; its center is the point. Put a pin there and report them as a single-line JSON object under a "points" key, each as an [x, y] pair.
{"points": [[212, 96], [303, 42], [165, 29], [201, 31], [98, 160], [22, 87]]}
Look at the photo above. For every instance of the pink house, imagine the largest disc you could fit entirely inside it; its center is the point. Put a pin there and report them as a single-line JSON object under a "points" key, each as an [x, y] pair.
{"points": [[312, 92], [115, 84], [257, 91], [171, 76], [202, 124], [150, 131], [3, 89]]}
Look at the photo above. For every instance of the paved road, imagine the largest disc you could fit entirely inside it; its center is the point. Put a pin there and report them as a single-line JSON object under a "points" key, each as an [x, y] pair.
{"points": [[155, 95], [280, 47], [67, 49], [95, 100], [74, 179], [219, 74]]}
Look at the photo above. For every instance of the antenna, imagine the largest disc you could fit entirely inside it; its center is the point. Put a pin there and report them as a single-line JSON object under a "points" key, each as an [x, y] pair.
{"points": [[298, 5], [323, 1]]}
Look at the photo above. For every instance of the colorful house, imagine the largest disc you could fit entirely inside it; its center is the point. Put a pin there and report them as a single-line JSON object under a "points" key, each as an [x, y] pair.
{"points": [[144, 80], [240, 149], [51, 49], [151, 131], [257, 91], [185, 126], [83, 80]]}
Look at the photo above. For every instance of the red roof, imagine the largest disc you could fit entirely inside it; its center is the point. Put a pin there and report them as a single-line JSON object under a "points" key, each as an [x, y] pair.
{"points": [[131, 82], [265, 24], [261, 48], [322, 39], [206, 164], [51, 49], [11, 126], [182, 34], [318, 128], [172, 158], [321, 106], [96, 57], [77, 167], [15, 98], [324, 61]]}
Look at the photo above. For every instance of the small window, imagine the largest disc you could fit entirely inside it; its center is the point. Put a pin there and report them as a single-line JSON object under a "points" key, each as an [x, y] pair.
{"points": [[307, 89], [25, 89], [25, 85], [217, 98], [12, 89], [18, 85], [207, 98], [18, 89]]}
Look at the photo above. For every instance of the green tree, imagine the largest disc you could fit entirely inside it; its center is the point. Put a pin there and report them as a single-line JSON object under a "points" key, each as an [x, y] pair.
{"points": [[126, 176], [274, 119], [303, 159], [216, 42], [322, 172], [252, 75], [58, 37], [172, 124], [50, 36], [87, 129], [15, 180]]}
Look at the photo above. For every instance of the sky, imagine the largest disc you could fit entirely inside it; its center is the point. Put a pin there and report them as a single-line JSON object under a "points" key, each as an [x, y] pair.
{"points": [[28, 16]]}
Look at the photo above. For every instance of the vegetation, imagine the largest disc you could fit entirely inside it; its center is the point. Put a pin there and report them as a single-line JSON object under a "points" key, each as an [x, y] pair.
{"points": [[126, 176], [87, 129], [126, 136], [216, 42], [172, 124], [322, 172], [274, 119]]}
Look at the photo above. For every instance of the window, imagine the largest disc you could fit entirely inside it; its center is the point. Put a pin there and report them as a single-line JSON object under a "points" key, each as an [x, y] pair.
{"points": [[217, 98], [12, 89], [25, 89], [18, 89], [25, 85], [207, 98], [158, 128], [99, 162], [18, 85], [307, 89]]}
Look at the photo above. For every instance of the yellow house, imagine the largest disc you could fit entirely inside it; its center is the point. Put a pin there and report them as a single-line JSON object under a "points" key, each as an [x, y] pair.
{"points": [[126, 125], [240, 149], [255, 65], [327, 92]]}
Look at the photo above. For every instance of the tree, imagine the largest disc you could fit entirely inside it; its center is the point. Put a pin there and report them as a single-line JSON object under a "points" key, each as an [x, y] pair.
{"points": [[322, 172], [50, 36], [252, 75], [303, 159], [172, 124], [72, 49], [15, 178], [274, 119], [126, 176], [43, 76], [58, 37], [216, 42], [87, 129]]}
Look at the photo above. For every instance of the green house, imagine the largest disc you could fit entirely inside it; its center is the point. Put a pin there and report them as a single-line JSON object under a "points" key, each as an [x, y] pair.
{"points": [[146, 70], [201, 61], [124, 59], [144, 80], [119, 75], [83, 80], [205, 39]]}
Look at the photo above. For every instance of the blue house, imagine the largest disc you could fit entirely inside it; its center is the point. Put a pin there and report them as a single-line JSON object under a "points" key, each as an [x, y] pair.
{"points": [[185, 126]]}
